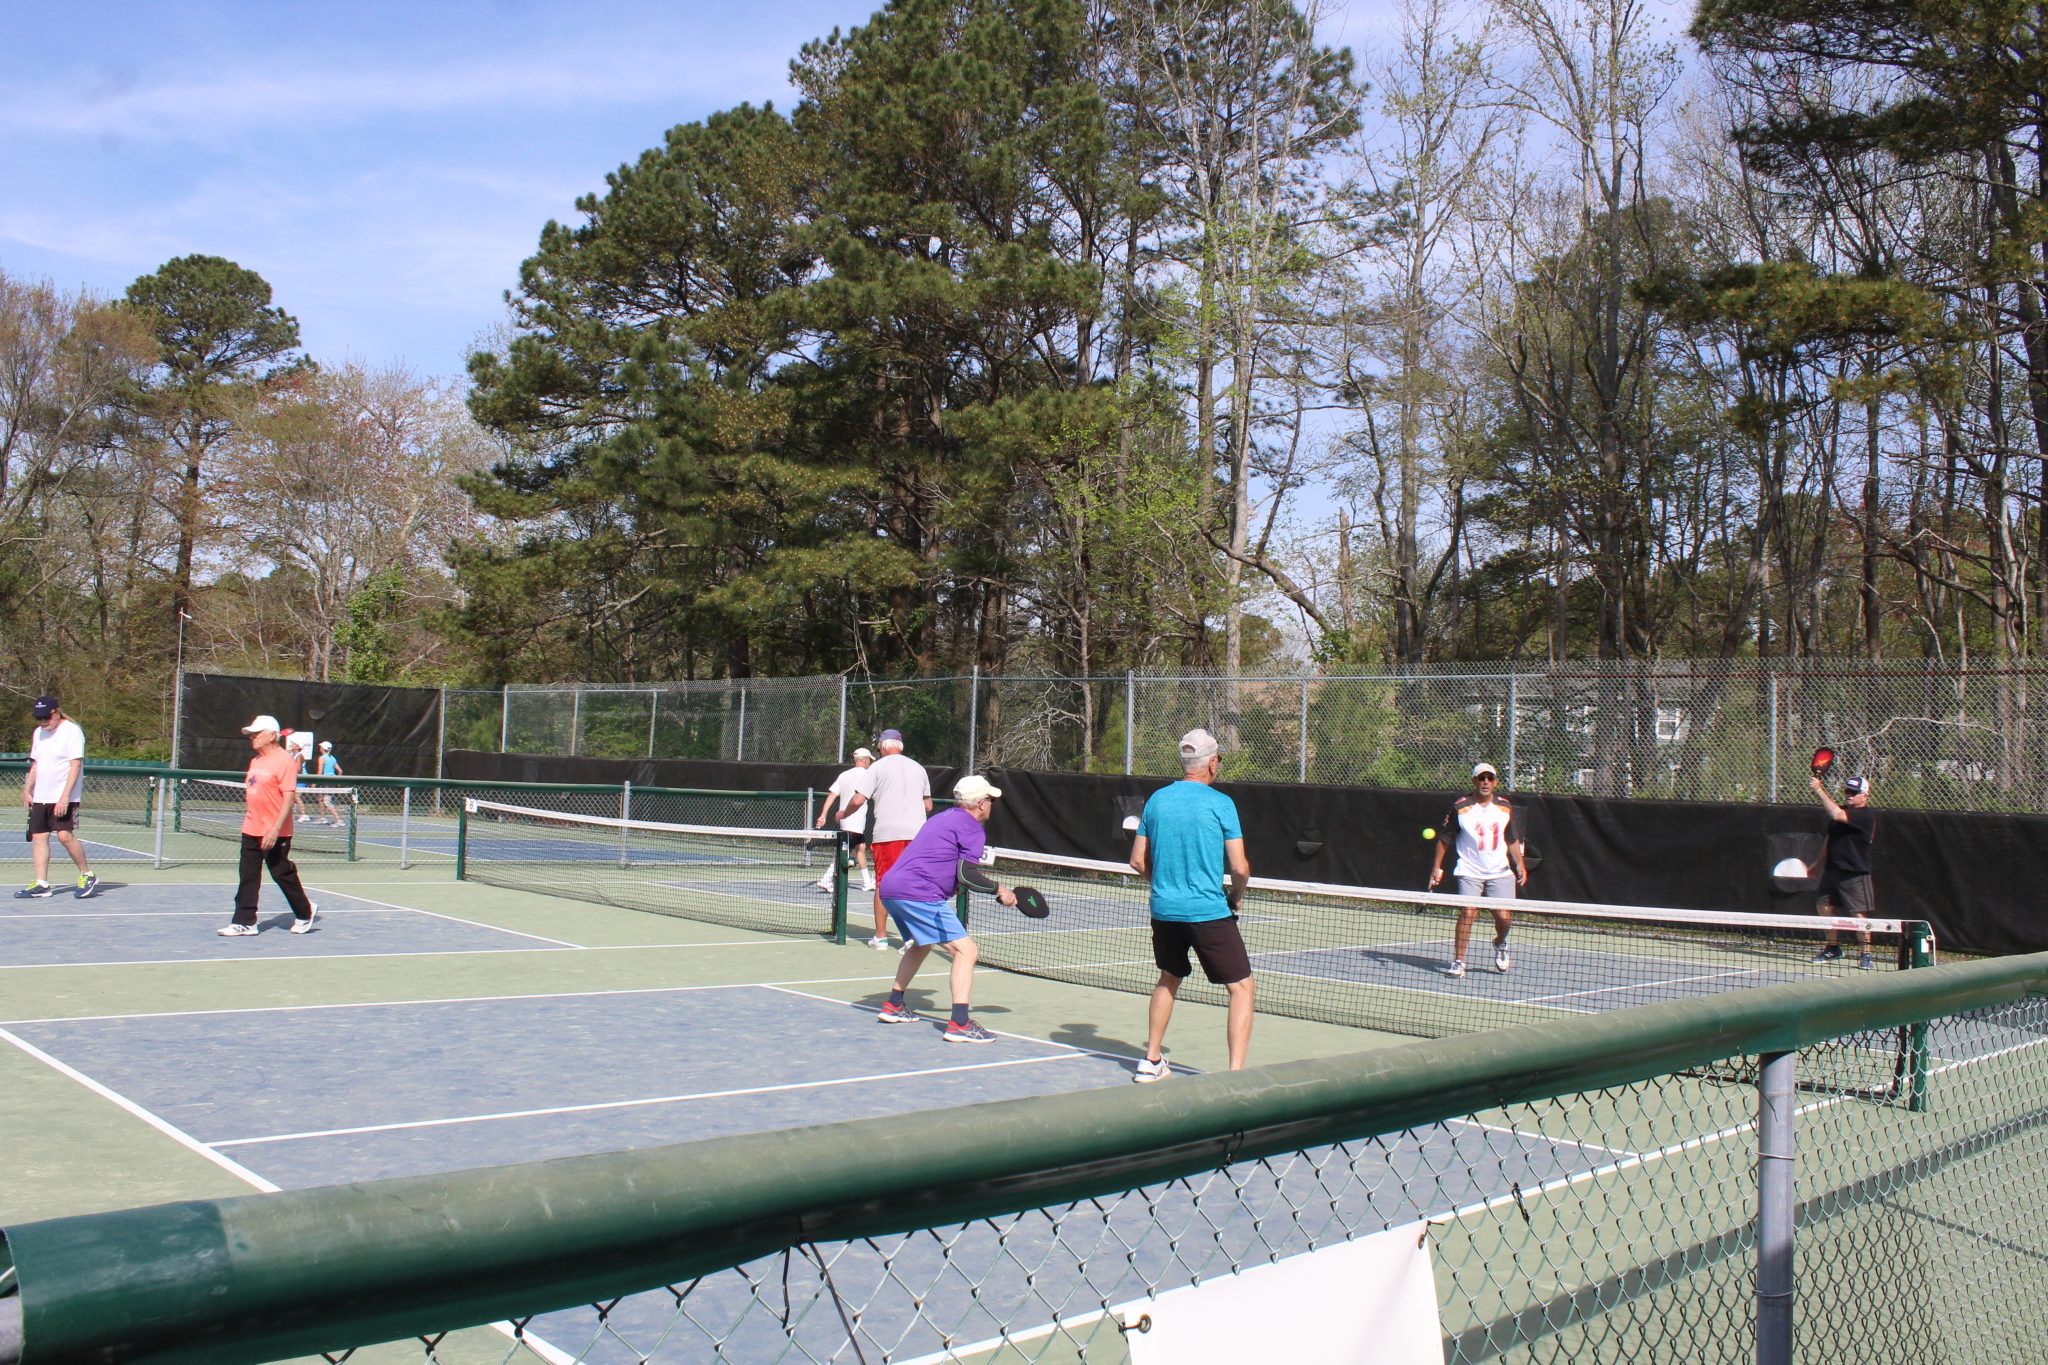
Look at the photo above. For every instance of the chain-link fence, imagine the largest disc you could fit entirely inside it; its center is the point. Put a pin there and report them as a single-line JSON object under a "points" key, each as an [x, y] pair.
{"points": [[1724, 730], [131, 813], [1601, 1191]]}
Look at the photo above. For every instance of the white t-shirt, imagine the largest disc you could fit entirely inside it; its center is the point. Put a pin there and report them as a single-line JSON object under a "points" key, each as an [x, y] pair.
{"points": [[52, 755], [901, 787], [849, 784], [1485, 829]]}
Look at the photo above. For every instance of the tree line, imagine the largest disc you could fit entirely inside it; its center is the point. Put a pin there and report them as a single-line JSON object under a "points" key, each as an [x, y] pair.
{"points": [[1082, 335]]}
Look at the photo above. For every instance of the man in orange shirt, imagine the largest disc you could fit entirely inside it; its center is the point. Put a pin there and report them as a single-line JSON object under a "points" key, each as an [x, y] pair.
{"points": [[268, 792]]}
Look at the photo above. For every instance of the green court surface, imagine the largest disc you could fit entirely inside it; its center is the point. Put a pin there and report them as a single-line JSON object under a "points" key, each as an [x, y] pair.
{"points": [[76, 1149], [430, 1025]]}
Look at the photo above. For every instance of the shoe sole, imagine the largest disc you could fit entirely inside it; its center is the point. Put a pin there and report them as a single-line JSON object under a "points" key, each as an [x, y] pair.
{"points": [[898, 1019], [968, 1038]]}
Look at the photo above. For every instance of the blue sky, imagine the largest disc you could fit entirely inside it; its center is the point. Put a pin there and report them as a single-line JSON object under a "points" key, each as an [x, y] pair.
{"points": [[385, 166]]}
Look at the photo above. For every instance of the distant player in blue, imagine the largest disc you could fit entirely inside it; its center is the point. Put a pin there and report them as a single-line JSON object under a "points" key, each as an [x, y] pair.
{"points": [[1187, 837], [329, 767]]}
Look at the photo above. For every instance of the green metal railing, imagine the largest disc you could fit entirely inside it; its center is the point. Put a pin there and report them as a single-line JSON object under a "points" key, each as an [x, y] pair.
{"points": [[1631, 1248]]}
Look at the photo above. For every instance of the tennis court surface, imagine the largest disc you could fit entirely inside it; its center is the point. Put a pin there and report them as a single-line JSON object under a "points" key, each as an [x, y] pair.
{"points": [[536, 1010]]}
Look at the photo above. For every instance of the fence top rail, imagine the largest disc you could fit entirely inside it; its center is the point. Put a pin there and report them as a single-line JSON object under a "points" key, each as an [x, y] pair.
{"points": [[262, 1277], [129, 768]]}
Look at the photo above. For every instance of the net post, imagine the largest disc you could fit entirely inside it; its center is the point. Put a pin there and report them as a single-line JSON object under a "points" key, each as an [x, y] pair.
{"points": [[839, 887], [462, 841], [405, 827], [351, 827], [1917, 948], [625, 814], [810, 809], [1775, 1207]]}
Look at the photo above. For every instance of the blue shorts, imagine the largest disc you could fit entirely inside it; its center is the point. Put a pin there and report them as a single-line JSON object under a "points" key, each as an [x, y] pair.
{"points": [[926, 922]]}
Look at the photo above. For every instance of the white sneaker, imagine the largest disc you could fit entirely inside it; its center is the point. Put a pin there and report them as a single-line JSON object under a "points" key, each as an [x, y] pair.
{"points": [[1457, 967], [1501, 960], [305, 926], [1149, 1071], [824, 883], [867, 881], [880, 945], [236, 931]]}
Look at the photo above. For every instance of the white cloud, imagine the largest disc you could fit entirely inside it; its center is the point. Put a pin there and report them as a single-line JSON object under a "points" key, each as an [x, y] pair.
{"points": [[237, 103]]}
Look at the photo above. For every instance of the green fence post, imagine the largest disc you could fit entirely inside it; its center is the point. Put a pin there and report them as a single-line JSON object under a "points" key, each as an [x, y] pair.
{"points": [[1920, 947]]}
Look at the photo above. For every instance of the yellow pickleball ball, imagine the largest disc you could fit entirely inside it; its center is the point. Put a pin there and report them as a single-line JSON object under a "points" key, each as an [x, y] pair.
{"points": [[1428, 834]]}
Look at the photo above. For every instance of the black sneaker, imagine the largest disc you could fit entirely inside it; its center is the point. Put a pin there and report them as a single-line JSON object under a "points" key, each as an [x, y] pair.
{"points": [[1831, 953]]}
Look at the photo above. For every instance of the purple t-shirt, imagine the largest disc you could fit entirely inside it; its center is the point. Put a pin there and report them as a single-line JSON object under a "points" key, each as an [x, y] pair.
{"points": [[929, 869]]}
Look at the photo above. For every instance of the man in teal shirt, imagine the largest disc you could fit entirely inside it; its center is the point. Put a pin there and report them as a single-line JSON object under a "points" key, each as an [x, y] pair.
{"points": [[1187, 837]]}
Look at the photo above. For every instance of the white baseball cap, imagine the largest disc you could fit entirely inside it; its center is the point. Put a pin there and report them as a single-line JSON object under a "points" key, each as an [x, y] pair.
{"points": [[863, 752], [1484, 770], [260, 724], [972, 788], [1197, 744], [327, 744]]}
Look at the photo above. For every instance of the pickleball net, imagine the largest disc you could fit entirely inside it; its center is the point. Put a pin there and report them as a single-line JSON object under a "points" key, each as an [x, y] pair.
{"points": [[1378, 959], [785, 881], [323, 818]]}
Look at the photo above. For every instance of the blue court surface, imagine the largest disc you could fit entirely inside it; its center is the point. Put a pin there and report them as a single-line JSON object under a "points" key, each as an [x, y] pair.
{"points": [[303, 1096], [132, 923]]}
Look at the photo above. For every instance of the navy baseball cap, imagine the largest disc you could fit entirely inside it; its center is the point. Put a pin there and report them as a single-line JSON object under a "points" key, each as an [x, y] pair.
{"points": [[889, 737], [46, 706]]}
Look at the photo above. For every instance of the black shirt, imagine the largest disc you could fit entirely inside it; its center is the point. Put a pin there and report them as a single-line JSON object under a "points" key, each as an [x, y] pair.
{"points": [[1849, 841]]}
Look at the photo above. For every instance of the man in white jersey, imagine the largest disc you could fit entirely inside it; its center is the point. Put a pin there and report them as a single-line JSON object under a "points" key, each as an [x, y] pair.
{"points": [[901, 799], [849, 794], [56, 771], [1489, 863]]}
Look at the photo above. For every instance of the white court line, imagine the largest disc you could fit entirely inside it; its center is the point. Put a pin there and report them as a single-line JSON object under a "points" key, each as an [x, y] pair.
{"points": [[1000, 1033], [608, 1105], [168, 1129], [1638, 985], [435, 914], [449, 1000], [1545, 1138]]}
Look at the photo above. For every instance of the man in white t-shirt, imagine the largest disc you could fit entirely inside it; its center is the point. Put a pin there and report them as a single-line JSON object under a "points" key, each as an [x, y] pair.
{"points": [[849, 794], [56, 769], [901, 798], [1489, 864]]}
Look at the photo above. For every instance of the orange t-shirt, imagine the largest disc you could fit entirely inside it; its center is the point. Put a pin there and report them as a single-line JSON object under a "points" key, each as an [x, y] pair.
{"points": [[268, 788]]}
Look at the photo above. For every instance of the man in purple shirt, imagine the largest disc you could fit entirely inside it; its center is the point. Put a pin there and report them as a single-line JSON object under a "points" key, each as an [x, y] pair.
{"points": [[919, 889]]}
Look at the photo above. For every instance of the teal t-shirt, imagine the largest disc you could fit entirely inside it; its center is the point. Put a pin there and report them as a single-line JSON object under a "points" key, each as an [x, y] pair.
{"points": [[1185, 826]]}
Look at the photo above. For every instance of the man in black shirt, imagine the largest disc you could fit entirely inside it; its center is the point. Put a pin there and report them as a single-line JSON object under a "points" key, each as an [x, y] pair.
{"points": [[1845, 881]]}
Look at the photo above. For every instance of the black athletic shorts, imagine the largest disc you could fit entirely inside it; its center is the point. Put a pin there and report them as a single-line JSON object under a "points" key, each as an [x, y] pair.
{"points": [[1851, 895], [854, 838], [41, 821], [1216, 943]]}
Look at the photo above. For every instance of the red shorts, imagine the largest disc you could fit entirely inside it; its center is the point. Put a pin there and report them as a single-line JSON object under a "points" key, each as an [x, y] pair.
{"points": [[885, 856]]}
